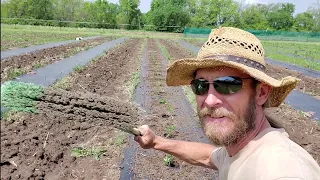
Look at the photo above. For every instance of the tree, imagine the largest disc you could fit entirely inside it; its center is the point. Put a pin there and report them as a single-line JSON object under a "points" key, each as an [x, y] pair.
{"points": [[214, 13], [303, 22], [169, 15], [314, 10], [40, 9], [280, 16], [130, 13], [254, 17]]}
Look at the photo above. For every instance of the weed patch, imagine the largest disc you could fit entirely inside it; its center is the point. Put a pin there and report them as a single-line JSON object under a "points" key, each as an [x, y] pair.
{"points": [[170, 131], [168, 160], [64, 83], [36, 66], [119, 139], [81, 152], [15, 72], [17, 96], [78, 68]]}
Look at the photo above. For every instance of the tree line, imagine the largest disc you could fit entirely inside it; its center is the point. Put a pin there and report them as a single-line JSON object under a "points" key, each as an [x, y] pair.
{"points": [[164, 15]]}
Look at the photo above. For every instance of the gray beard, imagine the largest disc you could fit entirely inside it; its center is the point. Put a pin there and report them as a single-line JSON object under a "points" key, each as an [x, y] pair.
{"points": [[240, 131]]}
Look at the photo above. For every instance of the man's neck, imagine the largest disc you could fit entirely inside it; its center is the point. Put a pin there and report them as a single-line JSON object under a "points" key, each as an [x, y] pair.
{"points": [[261, 124]]}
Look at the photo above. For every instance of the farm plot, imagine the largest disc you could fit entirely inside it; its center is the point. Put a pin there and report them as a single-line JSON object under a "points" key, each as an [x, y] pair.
{"points": [[303, 54], [18, 38], [17, 65], [51, 146], [301, 128], [299, 49], [58, 146], [306, 84], [175, 119]]}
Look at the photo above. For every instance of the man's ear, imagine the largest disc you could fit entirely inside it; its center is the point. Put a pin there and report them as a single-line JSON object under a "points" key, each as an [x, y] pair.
{"points": [[262, 93]]}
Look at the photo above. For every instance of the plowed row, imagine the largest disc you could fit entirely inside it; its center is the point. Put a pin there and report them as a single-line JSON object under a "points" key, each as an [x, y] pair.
{"points": [[27, 62], [39, 145]]}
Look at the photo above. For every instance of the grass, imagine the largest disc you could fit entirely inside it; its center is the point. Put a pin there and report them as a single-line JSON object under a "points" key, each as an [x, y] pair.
{"points": [[13, 36], [14, 72], [309, 50], [36, 66], [162, 101], [168, 160], [134, 81], [170, 131], [164, 51], [190, 96], [64, 83], [78, 68], [96, 153], [120, 138], [20, 97], [170, 108], [25, 36], [297, 61]]}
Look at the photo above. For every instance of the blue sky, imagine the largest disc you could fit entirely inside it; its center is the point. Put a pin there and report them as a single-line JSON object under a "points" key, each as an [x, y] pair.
{"points": [[301, 5]]}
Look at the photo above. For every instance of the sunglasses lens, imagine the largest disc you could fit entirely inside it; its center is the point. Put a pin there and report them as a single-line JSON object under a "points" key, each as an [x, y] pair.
{"points": [[200, 86], [227, 84]]}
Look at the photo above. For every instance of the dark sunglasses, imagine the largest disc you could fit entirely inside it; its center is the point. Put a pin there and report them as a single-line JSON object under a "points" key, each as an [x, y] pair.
{"points": [[223, 85]]}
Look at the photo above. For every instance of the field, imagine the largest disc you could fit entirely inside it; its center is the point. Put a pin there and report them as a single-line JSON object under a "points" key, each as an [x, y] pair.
{"points": [[69, 142], [304, 54]]}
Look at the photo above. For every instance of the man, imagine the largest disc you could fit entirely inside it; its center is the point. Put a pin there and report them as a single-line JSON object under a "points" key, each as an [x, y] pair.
{"points": [[231, 88]]}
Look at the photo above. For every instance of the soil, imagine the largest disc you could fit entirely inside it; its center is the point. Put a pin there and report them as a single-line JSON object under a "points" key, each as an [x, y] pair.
{"points": [[170, 104], [39, 146], [306, 84], [301, 128], [29, 61]]}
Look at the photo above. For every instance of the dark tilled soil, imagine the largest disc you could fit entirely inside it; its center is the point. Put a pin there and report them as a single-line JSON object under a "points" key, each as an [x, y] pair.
{"points": [[29, 61], [174, 111], [306, 84], [302, 130], [38, 146]]}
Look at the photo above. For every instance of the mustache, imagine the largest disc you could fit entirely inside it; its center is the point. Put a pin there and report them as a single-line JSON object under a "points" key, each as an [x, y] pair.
{"points": [[216, 112]]}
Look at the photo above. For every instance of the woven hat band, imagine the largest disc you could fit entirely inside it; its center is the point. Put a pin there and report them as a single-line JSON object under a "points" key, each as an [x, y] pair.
{"points": [[244, 61]]}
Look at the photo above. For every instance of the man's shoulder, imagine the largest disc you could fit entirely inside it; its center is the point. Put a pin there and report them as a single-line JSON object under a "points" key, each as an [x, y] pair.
{"points": [[278, 156]]}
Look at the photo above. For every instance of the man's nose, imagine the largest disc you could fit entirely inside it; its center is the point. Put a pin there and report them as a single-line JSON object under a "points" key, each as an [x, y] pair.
{"points": [[212, 99]]}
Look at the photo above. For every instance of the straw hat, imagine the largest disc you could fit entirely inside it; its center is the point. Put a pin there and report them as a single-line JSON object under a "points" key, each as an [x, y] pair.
{"points": [[234, 48]]}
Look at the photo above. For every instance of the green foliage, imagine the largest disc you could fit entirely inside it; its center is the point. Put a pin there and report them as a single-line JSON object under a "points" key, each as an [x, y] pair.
{"points": [[96, 153], [36, 66], [78, 68], [168, 160], [20, 97], [15, 72], [162, 101], [64, 83], [120, 139], [164, 15], [130, 14], [170, 131], [169, 15]]}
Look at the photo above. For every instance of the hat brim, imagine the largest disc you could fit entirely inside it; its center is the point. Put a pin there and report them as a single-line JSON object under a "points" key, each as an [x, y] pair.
{"points": [[181, 73]]}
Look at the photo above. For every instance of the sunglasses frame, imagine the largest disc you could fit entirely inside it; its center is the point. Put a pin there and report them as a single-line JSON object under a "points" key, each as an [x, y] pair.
{"points": [[216, 85]]}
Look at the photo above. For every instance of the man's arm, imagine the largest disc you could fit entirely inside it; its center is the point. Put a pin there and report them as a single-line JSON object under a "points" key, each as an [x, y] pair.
{"points": [[191, 152]]}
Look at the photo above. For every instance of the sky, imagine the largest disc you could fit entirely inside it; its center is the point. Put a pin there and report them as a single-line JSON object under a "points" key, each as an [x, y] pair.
{"points": [[301, 5]]}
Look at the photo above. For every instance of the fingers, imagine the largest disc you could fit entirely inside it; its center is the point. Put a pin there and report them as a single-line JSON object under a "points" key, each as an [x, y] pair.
{"points": [[146, 141]]}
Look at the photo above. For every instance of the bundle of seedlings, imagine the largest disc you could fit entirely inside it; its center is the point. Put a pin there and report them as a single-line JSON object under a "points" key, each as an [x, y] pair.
{"points": [[89, 107]]}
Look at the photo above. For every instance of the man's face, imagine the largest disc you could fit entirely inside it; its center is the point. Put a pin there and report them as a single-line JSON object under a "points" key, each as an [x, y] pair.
{"points": [[226, 118]]}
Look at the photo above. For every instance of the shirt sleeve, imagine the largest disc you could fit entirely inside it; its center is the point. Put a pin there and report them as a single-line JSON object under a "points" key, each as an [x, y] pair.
{"points": [[217, 157]]}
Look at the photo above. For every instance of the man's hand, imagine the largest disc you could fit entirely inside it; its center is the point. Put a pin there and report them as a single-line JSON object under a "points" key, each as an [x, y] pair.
{"points": [[191, 152], [147, 140]]}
